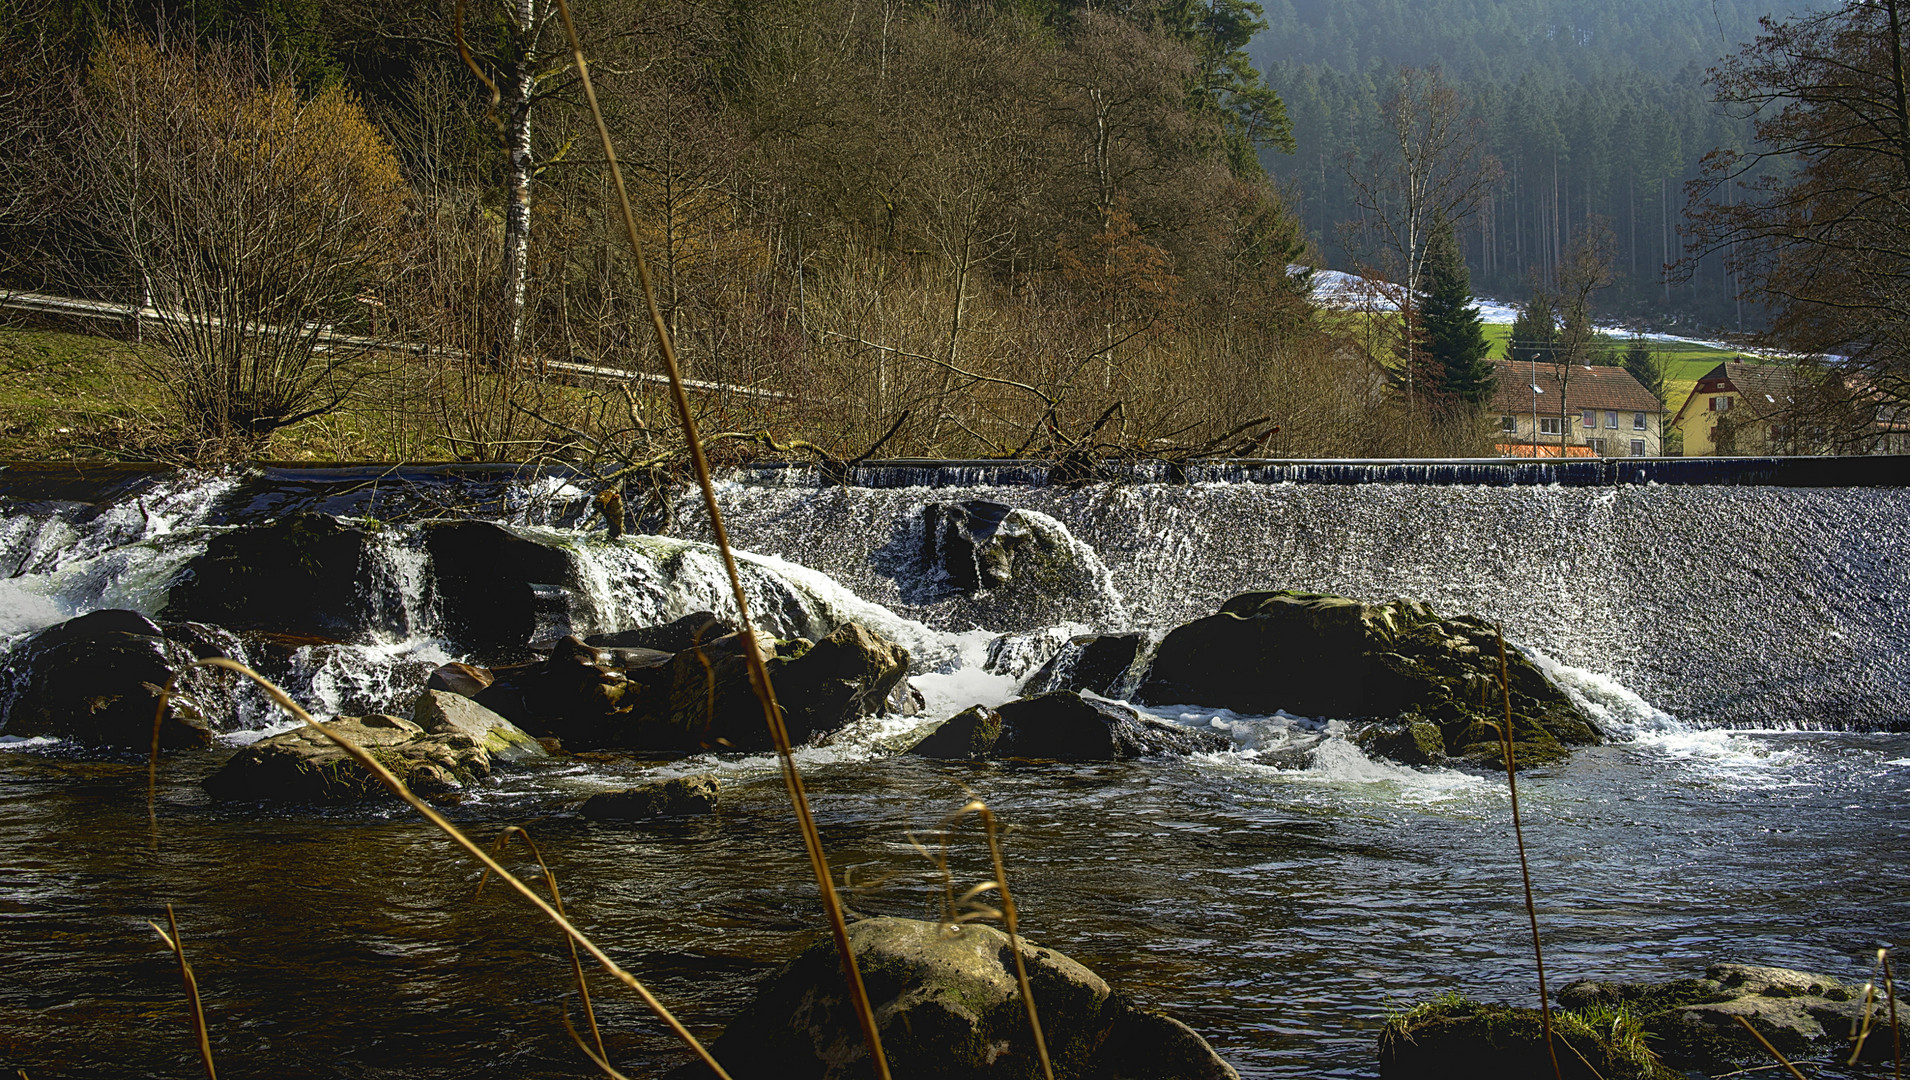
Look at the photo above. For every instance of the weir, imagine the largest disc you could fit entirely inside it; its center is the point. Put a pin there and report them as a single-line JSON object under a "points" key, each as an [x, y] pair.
{"points": [[1751, 592]]}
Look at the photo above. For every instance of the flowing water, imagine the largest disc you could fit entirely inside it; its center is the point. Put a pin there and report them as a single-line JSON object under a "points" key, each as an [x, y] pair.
{"points": [[1744, 644]]}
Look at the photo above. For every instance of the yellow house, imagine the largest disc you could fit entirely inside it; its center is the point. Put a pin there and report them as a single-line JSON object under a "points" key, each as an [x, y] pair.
{"points": [[1739, 408]]}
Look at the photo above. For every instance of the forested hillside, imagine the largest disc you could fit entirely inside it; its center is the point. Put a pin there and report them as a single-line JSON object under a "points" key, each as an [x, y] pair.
{"points": [[1028, 227], [1592, 107]]}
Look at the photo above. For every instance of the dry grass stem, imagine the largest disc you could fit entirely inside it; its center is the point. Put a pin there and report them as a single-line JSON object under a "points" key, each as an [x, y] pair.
{"points": [[1525, 868], [968, 907], [178, 946], [550, 882], [477, 852], [758, 673], [1766, 1043]]}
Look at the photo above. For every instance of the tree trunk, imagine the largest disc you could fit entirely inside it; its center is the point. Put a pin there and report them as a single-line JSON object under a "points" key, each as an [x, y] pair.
{"points": [[515, 269]]}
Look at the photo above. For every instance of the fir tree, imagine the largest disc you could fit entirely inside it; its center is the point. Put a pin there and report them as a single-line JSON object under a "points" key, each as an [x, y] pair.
{"points": [[1535, 333], [1454, 335]]}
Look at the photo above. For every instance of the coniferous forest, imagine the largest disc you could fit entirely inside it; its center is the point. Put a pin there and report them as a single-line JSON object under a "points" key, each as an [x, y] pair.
{"points": [[1593, 108]]}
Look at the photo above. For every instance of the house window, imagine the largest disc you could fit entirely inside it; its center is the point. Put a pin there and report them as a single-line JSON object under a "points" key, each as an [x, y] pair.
{"points": [[1638, 421], [1590, 419], [1598, 446], [1611, 420], [1638, 446], [1549, 425], [1508, 423], [1721, 404]]}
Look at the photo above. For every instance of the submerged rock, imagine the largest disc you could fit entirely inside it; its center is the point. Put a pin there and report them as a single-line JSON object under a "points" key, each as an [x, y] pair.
{"points": [[303, 766], [950, 1007], [1327, 656], [498, 591], [98, 679], [1065, 726], [677, 797], [300, 575]]}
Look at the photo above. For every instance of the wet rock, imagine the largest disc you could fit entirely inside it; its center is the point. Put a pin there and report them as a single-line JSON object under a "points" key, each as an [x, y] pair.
{"points": [[574, 695], [700, 698], [97, 679], [303, 766], [848, 674], [949, 1006], [467, 680], [1096, 663], [677, 797], [905, 699], [1410, 742], [701, 626], [1456, 1038], [1064, 726], [440, 712], [498, 591], [969, 735], [299, 575], [1327, 656], [977, 546]]}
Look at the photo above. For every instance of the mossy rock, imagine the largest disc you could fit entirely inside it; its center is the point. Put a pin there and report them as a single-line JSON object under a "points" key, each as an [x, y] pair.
{"points": [[1455, 1037], [969, 735], [949, 1006]]}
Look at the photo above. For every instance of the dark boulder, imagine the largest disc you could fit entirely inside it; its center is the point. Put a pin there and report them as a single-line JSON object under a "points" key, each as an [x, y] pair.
{"points": [[98, 680], [574, 695], [699, 698], [690, 630], [1065, 726], [300, 575], [1327, 656], [681, 796], [969, 735], [303, 766], [851, 673], [949, 1006], [979, 546], [498, 591], [1096, 663]]}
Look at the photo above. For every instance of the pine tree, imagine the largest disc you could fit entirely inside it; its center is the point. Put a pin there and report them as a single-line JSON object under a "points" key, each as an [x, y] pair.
{"points": [[1535, 333], [1454, 335]]}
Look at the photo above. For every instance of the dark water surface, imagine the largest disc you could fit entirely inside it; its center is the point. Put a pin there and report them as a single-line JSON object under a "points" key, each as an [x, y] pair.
{"points": [[1279, 912]]}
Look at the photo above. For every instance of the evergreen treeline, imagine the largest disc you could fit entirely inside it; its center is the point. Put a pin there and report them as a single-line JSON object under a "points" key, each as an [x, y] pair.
{"points": [[1592, 107]]}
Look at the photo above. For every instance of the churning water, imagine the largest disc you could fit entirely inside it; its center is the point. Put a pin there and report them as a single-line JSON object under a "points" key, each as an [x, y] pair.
{"points": [[1745, 644]]}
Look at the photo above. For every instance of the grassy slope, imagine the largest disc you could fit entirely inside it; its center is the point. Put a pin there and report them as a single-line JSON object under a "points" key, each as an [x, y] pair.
{"points": [[65, 395]]}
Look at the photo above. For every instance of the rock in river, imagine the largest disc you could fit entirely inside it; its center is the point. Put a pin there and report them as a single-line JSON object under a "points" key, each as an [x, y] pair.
{"points": [[949, 1007], [1062, 726], [304, 766], [498, 591], [97, 680], [1327, 656], [299, 575], [699, 698], [679, 796]]}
